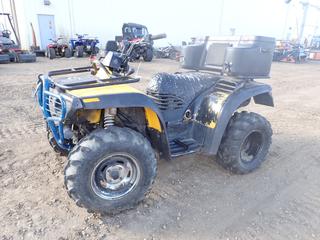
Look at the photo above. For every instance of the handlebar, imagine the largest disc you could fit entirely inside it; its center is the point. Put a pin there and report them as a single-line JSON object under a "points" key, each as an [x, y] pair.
{"points": [[6, 32]]}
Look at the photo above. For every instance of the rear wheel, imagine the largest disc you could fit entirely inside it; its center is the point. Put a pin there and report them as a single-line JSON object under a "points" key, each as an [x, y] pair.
{"points": [[246, 143], [79, 51], [110, 170], [26, 57]]}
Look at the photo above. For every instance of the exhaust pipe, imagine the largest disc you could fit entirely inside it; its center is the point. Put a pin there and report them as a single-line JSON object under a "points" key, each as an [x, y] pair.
{"points": [[158, 36]]}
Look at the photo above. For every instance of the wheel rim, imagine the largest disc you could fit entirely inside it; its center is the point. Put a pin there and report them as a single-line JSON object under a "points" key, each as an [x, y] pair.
{"points": [[115, 176], [251, 146]]}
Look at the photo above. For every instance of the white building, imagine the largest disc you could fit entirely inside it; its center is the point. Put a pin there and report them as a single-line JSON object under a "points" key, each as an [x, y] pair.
{"points": [[49, 19], [179, 19], [55, 18]]}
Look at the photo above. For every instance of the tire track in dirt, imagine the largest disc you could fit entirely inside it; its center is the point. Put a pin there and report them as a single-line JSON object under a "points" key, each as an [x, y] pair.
{"points": [[249, 222], [21, 131]]}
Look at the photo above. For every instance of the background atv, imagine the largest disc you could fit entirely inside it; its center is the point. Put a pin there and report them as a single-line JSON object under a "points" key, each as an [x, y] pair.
{"points": [[113, 133], [59, 47], [288, 52], [11, 52], [170, 52], [137, 35], [83, 44]]}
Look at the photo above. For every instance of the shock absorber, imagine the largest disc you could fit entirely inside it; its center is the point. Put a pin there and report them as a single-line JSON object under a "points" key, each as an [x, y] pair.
{"points": [[109, 116]]}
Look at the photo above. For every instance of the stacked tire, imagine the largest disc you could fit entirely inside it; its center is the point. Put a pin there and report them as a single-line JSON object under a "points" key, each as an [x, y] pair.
{"points": [[4, 58], [26, 57]]}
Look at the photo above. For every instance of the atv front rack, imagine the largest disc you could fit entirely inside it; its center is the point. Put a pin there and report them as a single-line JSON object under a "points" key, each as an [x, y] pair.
{"points": [[71, 84], [54, 106]]}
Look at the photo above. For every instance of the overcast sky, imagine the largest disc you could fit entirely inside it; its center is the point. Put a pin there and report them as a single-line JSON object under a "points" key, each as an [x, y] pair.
{"points": [[184, 19]]}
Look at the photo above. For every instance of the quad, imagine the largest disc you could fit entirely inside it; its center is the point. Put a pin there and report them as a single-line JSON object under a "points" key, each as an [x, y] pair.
{"points": [[84, 44], [58, 48], [114, 134], [136, 35], [286, 51], [171, 52]]}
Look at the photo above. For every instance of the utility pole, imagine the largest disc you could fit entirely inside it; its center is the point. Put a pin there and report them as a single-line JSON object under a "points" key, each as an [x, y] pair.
{"points": [[305, 6], [15, 18], [70, 13], [221, 16]]}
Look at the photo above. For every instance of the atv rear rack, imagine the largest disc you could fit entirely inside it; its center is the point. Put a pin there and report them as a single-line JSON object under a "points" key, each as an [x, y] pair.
{"points": [[73, 84]]}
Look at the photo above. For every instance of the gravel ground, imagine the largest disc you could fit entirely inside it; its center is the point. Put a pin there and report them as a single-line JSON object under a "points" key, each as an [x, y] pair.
{"points": [[192, 198]]}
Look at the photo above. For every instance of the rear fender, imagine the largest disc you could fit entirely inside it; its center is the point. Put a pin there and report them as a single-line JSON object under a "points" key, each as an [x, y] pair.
{"points": [[217, 107]]}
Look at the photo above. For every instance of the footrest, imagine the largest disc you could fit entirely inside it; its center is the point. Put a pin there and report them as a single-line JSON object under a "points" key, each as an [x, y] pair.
{"points": [[179, 147]]}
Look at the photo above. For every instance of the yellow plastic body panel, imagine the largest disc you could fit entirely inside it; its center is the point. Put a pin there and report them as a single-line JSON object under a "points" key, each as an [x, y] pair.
{"points": [[107, 90], [152, 119], [94, 116], [93, 93]]}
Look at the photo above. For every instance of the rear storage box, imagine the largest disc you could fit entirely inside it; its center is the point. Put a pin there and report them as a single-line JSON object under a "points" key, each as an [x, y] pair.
{"points": [[191, 56], [248, 57]]}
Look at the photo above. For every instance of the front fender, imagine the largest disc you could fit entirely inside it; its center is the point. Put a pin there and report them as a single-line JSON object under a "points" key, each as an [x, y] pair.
{"points": [[133, 98], [121, 100], [218, 106]]}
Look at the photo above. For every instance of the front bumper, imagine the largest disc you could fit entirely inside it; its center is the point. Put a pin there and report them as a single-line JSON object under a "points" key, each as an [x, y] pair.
{"points": [[54, 109]]}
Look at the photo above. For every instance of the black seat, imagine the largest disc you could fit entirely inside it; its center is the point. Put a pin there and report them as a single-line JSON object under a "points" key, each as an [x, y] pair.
{"points": [[174, 92]]}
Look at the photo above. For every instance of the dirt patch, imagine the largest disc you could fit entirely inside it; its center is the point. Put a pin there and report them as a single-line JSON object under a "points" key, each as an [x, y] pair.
{"points": [[192, 198]]}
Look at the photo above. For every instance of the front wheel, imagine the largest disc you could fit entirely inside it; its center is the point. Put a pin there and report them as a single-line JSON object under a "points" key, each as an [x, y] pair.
{"points": [[148, 55], [67, 52], [79, 51], [110, 170], [51, 53], [245, 143]]}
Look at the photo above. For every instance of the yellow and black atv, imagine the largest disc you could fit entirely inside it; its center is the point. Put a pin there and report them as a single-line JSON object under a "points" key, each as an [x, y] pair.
{"points": [[113, 133]]}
